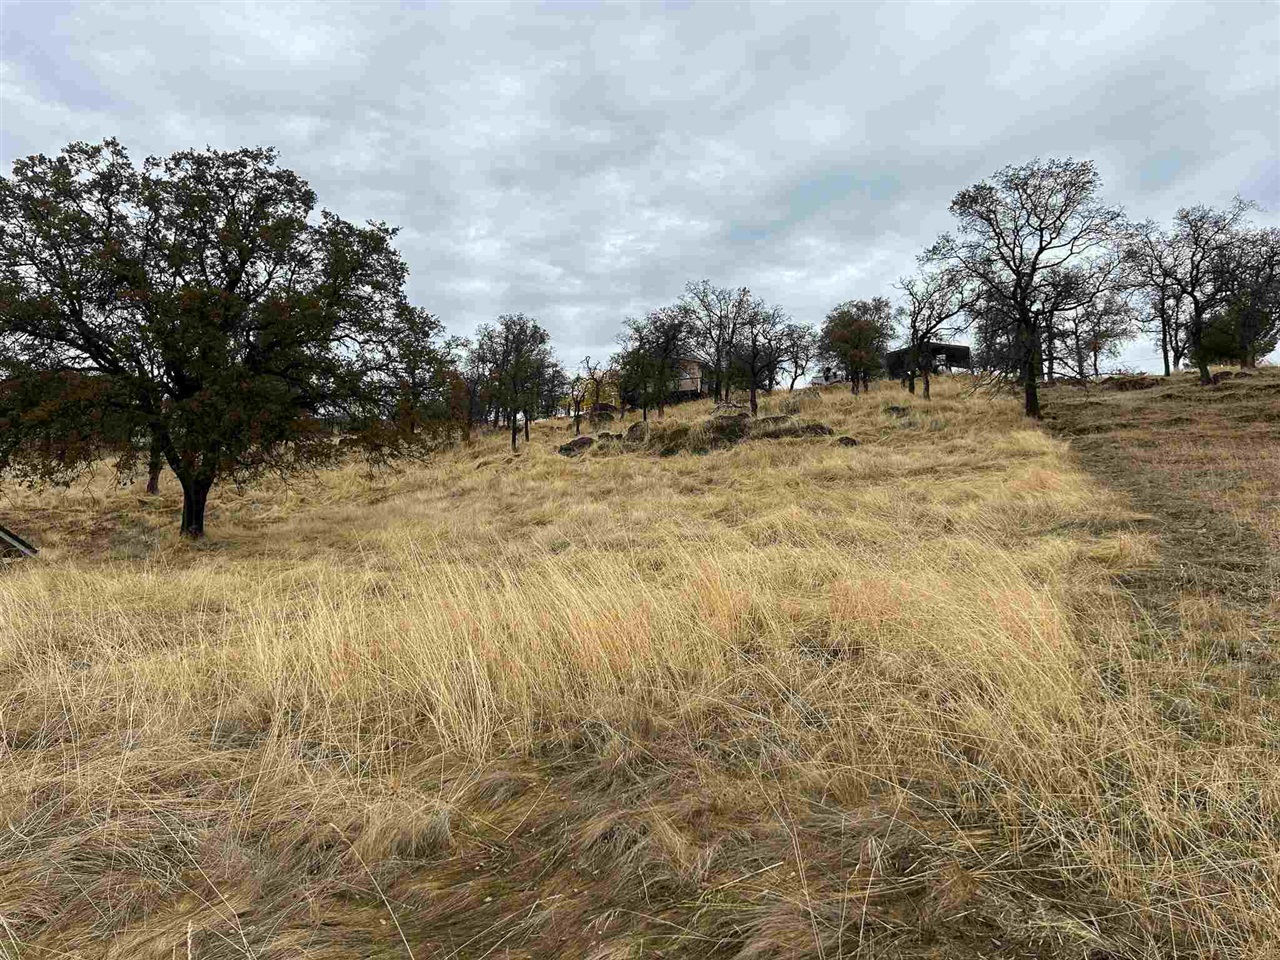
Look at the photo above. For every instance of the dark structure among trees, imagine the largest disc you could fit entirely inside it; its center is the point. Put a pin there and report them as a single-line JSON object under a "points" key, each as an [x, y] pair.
{"points": [[934, 356]]}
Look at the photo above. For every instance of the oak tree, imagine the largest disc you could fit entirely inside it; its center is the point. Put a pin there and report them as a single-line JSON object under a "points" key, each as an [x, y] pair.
{"points": [[206, 308], [1016, 233]]}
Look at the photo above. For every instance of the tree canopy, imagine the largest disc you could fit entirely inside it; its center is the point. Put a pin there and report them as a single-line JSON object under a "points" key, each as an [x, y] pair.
{"points": [[195, 302]]}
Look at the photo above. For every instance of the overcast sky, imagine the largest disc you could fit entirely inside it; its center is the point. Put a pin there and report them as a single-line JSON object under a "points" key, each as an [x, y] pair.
{"points": [[581, 162]]}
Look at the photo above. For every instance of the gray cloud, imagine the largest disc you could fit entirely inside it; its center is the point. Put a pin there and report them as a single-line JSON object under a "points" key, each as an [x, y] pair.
{"points": [[580, 163]]}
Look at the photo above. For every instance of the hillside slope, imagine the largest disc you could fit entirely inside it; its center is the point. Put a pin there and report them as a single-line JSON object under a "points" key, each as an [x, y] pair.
{"points": [[785, 699]]}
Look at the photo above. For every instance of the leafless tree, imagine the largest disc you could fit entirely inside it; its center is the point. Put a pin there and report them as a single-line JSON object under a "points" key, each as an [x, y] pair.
{"points": [[593, 372], [799, 350], [577, 396], [760, 332], [714, 316], [1095, 329], [1017, 232], [1187, 262]]}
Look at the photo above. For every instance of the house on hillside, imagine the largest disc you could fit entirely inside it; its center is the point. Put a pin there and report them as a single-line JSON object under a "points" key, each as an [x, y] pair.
{"points": [[689, 383], [940, 358]]}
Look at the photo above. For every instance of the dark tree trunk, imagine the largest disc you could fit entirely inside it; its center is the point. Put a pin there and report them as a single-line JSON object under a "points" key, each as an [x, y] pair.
{"points": [[526, 426], [1196, 331], [924, 377], [911, 381], [1202, 365], [154, 466], [515, 431], [754, 408], [195, 497], [1031, 363]]}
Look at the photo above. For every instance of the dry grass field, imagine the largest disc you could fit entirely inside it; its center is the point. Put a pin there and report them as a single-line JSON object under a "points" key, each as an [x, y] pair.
{"points": [[971, 688]]}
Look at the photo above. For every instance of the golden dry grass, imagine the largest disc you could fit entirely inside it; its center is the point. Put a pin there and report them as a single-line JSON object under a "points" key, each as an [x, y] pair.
{"points": [[788, 699]]}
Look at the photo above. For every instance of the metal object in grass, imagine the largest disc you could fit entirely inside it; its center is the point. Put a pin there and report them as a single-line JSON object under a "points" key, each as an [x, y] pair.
{"points": [[13, 545]]}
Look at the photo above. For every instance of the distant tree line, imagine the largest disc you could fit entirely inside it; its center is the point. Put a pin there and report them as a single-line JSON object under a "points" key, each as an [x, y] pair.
{"points": [[197, 312]]}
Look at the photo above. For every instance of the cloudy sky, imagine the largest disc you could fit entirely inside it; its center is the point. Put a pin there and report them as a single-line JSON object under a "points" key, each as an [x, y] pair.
{"points": [[581, 162]]}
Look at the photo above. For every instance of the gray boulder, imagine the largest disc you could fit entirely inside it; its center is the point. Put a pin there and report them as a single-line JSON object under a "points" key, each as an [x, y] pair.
{"points": [[638, 432]]}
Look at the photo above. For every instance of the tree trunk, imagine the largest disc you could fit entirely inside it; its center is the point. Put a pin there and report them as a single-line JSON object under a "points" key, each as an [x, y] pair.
{"points": [[924, 376], [911, 382], [1202, 365], [526, 426], [154, 466], [195, 497], [1031, 363], [753, 397], [515, 431], [1164, 347]]}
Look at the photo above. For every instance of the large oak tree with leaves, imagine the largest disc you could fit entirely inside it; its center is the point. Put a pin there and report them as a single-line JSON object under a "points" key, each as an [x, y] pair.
{"points": [[197, 305]]}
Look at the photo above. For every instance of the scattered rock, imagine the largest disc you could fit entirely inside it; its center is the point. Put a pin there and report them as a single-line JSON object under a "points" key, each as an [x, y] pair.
{"points": [[638, 432], [727, 429], [1123, 383], [815, 430], [778, 427], [576, 445], [846, 441]]}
